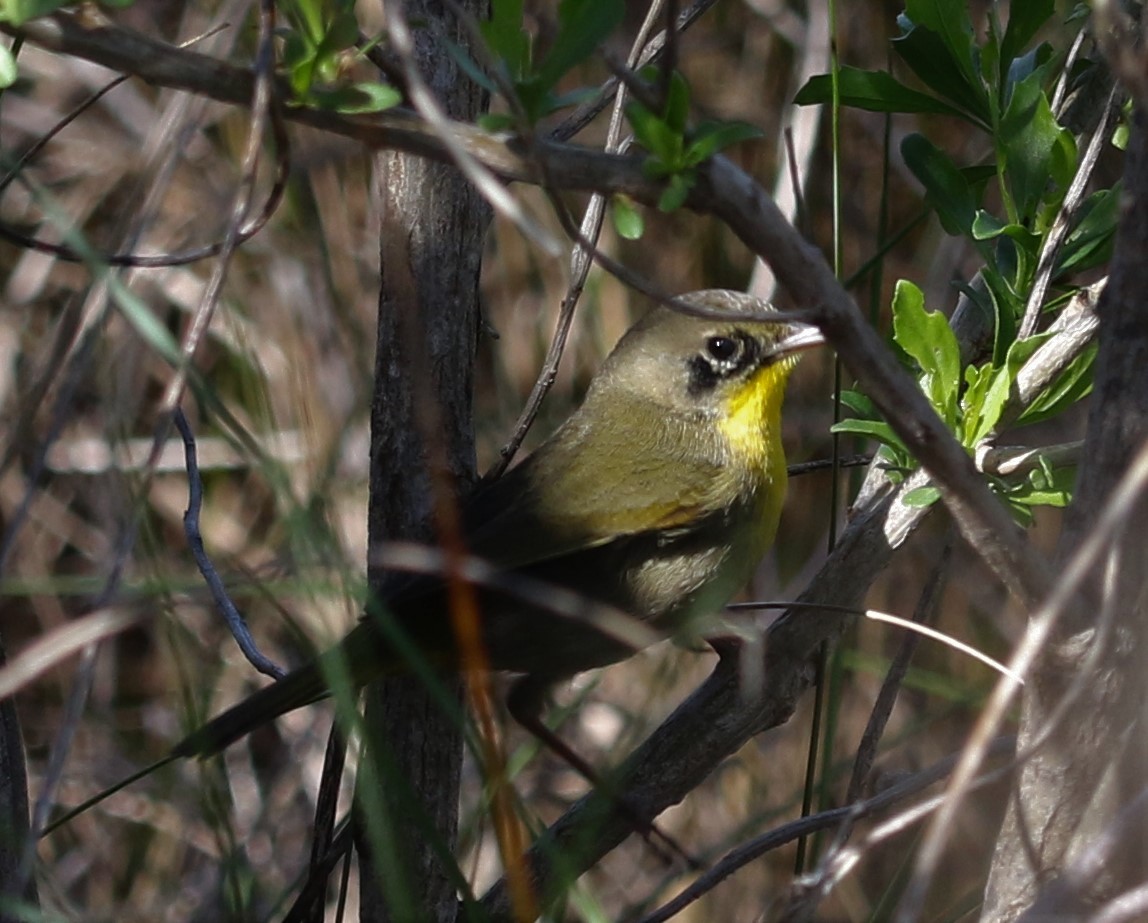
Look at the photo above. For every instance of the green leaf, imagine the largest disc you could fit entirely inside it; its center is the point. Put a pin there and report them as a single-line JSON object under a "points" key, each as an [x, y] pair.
{"points": [[1089, 243], [506, 38], [1074, 383], [928, 339], [307, 17], [945, 186], [582, 26], [677, 104], [1023, 67], [949, 19], [989, 389], [534, 97], [150, 329], [1044, 486], [342, 33], [988, 227], [1024, 21], [361, 98], [496, 122], [296, 50], [1006, 308], [895, 462], [19, 12], [676, 192], [9, 70], [921, 497], [861, 405], [627, 219], [954, 76], [1031, 147], [470, 67], [872, 429], [1000, 382], [978, 175], [656, 137], [301, 77], [711, 137], [977, 380], [574, 97], [1022, 514], [1023, 350], [873, 91], [990, 53]]}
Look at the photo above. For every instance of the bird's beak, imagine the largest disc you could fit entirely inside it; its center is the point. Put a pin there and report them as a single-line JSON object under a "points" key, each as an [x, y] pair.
{"points": [[801, 337]]}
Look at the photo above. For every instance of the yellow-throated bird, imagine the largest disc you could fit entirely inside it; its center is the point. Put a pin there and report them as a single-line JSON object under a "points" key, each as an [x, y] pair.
{"points": [[658, 497]]}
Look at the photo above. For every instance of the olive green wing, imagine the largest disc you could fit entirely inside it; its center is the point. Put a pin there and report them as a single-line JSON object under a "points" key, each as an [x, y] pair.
{"points": [[593, 483]]}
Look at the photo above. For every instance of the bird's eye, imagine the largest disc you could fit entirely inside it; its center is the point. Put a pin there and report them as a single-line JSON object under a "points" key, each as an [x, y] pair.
{"points": [[723, 349]]}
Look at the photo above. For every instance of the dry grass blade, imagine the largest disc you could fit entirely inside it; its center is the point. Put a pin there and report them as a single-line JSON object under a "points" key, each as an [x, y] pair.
{"points": [[64, 643]]}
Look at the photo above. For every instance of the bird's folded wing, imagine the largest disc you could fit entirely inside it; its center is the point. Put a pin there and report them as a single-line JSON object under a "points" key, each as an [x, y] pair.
{"points": [[585, 491]]}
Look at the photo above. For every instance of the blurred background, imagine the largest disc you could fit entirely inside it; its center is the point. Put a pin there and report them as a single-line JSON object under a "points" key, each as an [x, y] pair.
{"points": [[289, 357]]}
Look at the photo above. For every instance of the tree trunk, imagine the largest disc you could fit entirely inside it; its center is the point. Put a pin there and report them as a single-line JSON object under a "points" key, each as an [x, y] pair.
{"points": [[1091, 769], [16, 881], [431, 233]]}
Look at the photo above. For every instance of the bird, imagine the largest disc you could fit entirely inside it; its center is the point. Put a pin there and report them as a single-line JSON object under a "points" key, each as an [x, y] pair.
{"points": [[657, 498]]}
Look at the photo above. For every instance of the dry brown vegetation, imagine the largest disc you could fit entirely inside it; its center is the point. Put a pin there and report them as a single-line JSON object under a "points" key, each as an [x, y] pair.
{"points": [[289, 356]]}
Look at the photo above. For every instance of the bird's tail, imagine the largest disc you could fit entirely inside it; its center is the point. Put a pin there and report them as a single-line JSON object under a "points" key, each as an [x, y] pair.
{"points": [[298, 688], [359, 659]]}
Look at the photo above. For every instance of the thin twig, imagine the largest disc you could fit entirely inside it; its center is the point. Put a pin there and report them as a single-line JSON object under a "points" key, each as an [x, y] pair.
{"points": [[759, 846], [326, 806], [1061, 88], [834, 866], [1064, 218], [634, 280], [926, 610], [264, 111], [472, 168], [236, 623], [669, 61], [580, 262], [825, 464], [137, 260], [316, 881], [61, 748], [651, 53], [85, 672], [811, 57]]}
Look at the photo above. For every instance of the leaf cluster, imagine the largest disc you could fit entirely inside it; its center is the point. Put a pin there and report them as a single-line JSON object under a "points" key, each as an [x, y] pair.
{"points": [[319, 48], [971, 401], [532, 81], [1000, 85], [662, 128], [676, 150]]}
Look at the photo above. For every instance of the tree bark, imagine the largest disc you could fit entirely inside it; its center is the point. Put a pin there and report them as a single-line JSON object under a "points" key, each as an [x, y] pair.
{"points": [[1073, 793], [431, 233], [16, 881]]}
